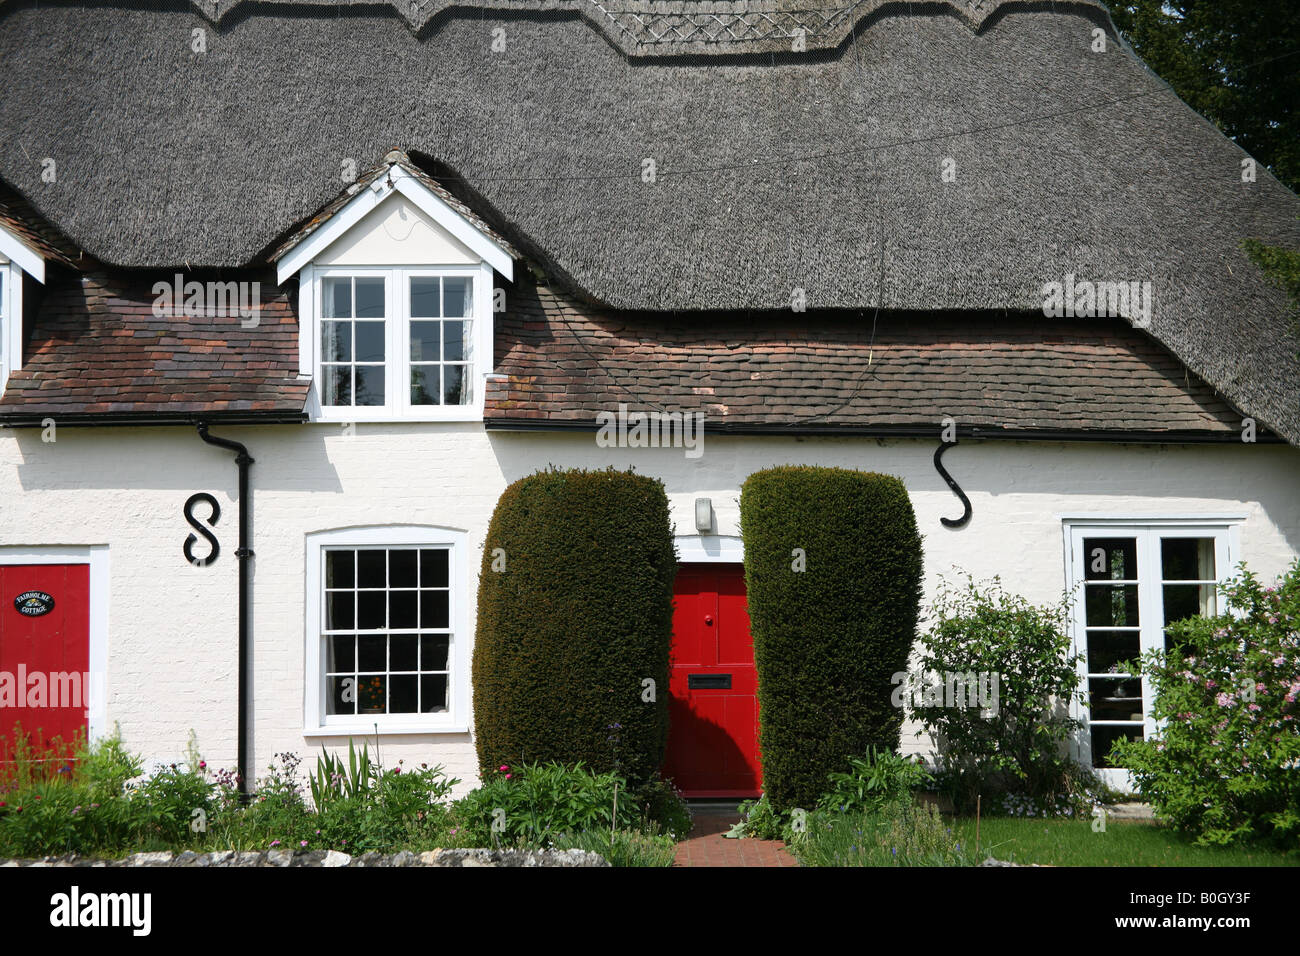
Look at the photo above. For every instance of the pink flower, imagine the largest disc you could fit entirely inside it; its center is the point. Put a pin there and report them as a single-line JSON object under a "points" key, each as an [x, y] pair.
{"points": [[303, 843], [1223, 700], [509, 775], [1253, 707], [503, 768], [203, 765], [275, 843]]}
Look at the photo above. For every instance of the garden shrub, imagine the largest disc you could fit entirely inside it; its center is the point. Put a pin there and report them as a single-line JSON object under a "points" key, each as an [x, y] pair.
{"points": [[1226, 767], [1018, 745], [759, 820], [872, 784], [95, 801], [361, 806], [532, 804], [833, 574], [662, 806], [574, 616]]}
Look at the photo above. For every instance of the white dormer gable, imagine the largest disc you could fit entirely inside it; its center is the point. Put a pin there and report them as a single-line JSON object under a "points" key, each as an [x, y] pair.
{"points": [[397, 232], [16, 257], [423, 196], [396, 301]]}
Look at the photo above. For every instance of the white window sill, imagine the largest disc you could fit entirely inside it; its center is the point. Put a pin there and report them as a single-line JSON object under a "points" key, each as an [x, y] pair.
{"points": [[359, 416], [368, 730]]}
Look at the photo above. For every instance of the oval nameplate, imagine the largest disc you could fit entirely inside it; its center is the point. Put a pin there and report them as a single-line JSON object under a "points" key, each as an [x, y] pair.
{"points": [[34, 603]]}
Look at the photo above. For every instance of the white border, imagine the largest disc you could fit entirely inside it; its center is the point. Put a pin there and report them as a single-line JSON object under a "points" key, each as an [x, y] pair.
{"points": [[709, 549], [457, 719], [96, 556]]}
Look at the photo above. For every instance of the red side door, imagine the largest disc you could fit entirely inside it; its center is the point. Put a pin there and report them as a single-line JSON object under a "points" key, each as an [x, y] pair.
{"points": [[713, 686], [44, 644]]}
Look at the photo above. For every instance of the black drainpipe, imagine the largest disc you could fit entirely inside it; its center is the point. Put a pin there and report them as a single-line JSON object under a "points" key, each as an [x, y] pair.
{"points": [[245, 554]]}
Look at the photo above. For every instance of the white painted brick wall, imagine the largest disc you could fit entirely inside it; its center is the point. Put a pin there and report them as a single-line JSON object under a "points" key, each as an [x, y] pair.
{"points": [[172, 633]]}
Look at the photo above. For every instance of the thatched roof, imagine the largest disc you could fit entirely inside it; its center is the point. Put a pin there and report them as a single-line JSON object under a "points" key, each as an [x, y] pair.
{"points": [[818, 169]]}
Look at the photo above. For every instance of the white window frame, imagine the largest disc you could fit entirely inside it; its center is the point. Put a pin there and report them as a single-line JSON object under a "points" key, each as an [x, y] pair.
{"points": [[1224, 529], [21, 259], [456, 719], [397, 407], [11, 321]]}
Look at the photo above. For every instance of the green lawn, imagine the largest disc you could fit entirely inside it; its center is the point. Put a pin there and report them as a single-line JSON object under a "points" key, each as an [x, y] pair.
{"points": [[1125, 843]]}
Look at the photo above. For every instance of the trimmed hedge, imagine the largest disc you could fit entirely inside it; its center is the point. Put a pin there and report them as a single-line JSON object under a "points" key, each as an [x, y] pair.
{"points": [[828, 639], [580, 616]]}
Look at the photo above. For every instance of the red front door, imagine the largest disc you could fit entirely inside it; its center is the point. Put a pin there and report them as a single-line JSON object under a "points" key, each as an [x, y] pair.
{"points": [[44, 652], [713, 740]]}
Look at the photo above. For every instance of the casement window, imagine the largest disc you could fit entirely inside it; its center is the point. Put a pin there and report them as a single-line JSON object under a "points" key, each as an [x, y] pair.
{"points": [[387, 639], [401, 343], [1131, 580]]}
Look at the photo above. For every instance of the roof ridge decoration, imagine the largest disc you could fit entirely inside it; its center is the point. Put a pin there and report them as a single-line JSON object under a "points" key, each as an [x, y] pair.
{"points": [[675, 27]]}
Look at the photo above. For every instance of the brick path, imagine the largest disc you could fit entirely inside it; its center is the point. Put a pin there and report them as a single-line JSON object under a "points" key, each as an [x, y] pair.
{"points": [[706, 846]]}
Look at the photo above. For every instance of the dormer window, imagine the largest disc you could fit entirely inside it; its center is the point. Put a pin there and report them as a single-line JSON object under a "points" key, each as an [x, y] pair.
{"points": [[395, 295], [401, 342]]}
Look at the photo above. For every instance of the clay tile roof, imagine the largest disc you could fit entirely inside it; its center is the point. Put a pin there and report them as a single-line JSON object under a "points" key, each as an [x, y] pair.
{"points": [[562, 363], [96, 347]]}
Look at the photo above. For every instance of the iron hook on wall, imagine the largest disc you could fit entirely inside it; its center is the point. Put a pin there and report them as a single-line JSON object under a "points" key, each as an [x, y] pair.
{"points": [[956, 488], [202, 529]]}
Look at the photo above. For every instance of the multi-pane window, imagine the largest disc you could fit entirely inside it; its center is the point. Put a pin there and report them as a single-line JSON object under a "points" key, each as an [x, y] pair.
{"points": [[441, 320], [386, 634], [354, 340], [397, 341], [1133, 582]]}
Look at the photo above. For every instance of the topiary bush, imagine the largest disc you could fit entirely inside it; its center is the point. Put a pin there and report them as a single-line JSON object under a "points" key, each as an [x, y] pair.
{"points": [[575, 613], [1226, 766], [833, 574]]}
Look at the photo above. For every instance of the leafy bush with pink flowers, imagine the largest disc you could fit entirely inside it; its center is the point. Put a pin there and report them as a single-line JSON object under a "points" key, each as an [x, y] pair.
{"points": [[1226, 765]]}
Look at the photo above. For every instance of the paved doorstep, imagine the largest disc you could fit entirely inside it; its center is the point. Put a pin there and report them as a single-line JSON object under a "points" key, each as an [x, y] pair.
{"points": [[706, 846]]}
